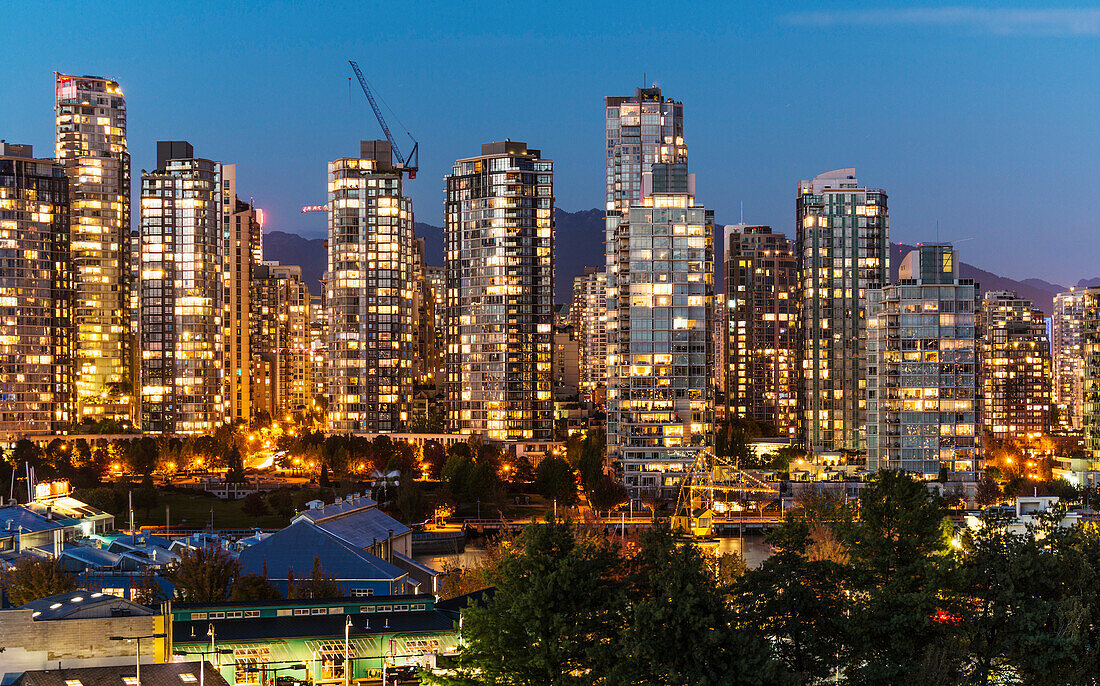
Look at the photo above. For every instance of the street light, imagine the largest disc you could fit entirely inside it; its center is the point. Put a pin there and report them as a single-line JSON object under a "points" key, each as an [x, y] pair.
{"points": [[138, 639], [202, 663]]}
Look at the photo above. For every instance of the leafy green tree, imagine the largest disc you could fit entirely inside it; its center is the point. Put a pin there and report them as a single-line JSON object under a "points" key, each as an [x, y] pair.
{"points": [[104, 498], [607, 493], [411, 503], [235, 467], [551, 621], [554, 479], [204, 575], [434, 456], [31, 578]]}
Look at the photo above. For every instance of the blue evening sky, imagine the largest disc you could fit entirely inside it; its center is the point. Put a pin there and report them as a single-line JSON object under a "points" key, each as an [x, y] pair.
{"points": [[983, 117]]}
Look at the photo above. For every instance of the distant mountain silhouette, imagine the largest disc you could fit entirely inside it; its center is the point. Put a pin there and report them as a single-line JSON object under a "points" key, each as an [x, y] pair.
{"points": [[1041, 293], [579, 243]]}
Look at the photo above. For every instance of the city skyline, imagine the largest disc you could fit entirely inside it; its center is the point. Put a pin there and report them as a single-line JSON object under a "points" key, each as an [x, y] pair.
{"points": [[910, 132]]}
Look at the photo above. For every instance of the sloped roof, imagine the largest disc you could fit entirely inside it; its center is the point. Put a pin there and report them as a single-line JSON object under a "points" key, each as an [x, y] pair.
{"points": [[294, 548], [82, 604], [341, 508], [89, 555], [170, 674], [362, 525]]}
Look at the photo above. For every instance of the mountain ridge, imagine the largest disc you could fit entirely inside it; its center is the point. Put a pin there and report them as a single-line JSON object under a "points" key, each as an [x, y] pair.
{"points": [[579, 243]]}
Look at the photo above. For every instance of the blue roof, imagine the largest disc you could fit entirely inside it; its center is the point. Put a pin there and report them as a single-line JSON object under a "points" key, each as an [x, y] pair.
{"points": [[294, 548], [20, 516], [359, 522]]}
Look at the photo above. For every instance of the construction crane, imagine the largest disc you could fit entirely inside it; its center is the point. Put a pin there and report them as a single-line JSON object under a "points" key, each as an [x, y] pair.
{"points": [[409, 164]]}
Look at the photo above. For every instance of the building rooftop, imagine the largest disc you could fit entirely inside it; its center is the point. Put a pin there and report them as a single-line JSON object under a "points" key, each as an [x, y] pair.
{"points": [[83, 604], [20, 517], [310, 626], [295, 547], [357, 521], [171, 674]]}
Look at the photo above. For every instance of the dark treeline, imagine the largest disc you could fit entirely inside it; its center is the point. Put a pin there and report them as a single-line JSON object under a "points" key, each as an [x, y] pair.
{"points": [[883, 591]]}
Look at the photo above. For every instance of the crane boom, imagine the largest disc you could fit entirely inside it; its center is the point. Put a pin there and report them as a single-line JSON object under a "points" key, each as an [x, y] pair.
{"points": [[377, 111]]}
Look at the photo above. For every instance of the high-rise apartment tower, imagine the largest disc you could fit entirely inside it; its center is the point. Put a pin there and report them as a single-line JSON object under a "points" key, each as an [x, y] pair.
{"points": [[762, 327], [181, 293], [370, 293], [843, 250], [500, 293], [91, 145], [922, 397], [1067, 358], [36, 296]]}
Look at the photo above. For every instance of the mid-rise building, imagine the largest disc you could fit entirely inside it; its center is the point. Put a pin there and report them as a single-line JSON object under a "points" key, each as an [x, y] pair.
{"points": [[566, 363], [91, 146], [281, 339], [843, 249], [589, 318], [242, 243], [660, 345], [638, 127], [370, 293], [181, 293], [1067, 358], [318, 345], [36, 296], [762, 332], [500, 293], [1015, 367], [922, 389]]}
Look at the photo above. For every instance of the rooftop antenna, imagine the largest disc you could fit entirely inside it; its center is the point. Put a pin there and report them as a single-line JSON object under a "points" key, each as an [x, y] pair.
{"points": [[742, 211]]}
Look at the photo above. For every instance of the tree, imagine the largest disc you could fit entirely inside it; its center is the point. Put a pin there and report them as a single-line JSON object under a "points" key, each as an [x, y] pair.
{"points": [[234, 473], [204, 575], [147, 591], [898, 553], [281, 502], [319, 584], [557, 605], [253, 505], [254, 587], [31, 578], [607, 493], [554, 479], [146, 497], [410, 503], [678, 628], [104, 498], [434, 456], [797, 605]]}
